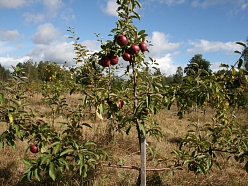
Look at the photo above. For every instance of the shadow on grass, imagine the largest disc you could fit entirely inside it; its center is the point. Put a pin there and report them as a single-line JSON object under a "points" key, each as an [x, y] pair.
{"points": [[66, 179], [175, 140], [5, 174], [152, 179]]}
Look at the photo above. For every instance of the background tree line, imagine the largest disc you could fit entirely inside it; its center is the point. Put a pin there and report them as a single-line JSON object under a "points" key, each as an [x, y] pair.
{"points": [[47, 71]]}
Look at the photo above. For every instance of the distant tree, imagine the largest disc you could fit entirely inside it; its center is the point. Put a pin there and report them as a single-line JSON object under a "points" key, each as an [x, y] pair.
{"points": [[30, 70], [196, 64], [49, 70], [163, 77], [4, 73], [178, 77]]}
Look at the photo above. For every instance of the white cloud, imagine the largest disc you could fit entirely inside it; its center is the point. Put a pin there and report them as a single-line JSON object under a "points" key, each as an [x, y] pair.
{"points": [[59, 51], [168, 2], [202, 46], [244, 6], [4, 48], [67, 15], [52, 7], [45, 34], [92, 45], [8, 61], [166, 64], [111, 8], [13, 3], [160, 43], [216, 66], [36, 17], [56, 51], [206, 3], [171, 2], [10, 35]]}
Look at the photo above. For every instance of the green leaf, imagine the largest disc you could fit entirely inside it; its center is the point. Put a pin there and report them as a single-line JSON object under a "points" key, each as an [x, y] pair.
{"points": [[1, 144], [141, 32], [241, 43], [238, 52], [128, 129], [37, 174], [44, 158], [137, 15], [63, 162], [240, 62], [1, 98], [142, 128], [29, 175], [55, 143], [27, 162], [81, 159], [89, 143], [23, 178], [66, 152], [52, 172], [57, 148], [224, 65]]}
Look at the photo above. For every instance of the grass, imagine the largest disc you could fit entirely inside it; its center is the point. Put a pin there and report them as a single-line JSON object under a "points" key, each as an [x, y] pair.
{"points": [[124, 149]]}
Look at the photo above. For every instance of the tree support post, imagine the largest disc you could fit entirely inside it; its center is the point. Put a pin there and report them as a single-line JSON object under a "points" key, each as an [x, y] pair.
{"points": [[143, 159]]}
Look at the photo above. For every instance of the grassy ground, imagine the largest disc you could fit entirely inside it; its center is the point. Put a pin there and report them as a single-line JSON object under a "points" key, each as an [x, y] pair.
{"points": [[125, 149]]}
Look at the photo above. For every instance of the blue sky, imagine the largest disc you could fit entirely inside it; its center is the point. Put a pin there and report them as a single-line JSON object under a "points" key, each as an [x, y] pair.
{"points": [[178, 29]]}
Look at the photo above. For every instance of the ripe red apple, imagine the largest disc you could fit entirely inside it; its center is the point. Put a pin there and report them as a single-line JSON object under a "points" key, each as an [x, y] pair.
{"points": [[120, 103], [122, 40], [49, 78], [34, 148], [126, 56], [134, 49], [114, 59], [105, 61], [143, 46], [91, 83]]}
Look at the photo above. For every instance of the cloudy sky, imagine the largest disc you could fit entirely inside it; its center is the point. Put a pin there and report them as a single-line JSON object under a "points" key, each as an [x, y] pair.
{"points": [[178, 29]]}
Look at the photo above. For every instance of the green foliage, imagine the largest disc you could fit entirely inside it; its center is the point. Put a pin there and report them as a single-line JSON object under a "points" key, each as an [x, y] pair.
{"points": [[5, 73], [200, 149], [128, 102], [197, 64], [62, 151]]}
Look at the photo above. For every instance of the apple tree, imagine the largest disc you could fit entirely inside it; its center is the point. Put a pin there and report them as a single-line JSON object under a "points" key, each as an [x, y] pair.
{"points": [[205, 142]]}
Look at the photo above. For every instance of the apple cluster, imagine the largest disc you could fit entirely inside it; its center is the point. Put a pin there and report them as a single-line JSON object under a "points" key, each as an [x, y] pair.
{"points": [[122, 41]]}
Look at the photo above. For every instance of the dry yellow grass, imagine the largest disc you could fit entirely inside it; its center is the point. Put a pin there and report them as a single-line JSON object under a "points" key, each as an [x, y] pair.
{"points": [[124, 149]]}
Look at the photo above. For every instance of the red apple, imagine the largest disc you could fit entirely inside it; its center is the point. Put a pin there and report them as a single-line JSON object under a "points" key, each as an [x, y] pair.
{"points": [[49, 78], [122, 40], [91, 83], [34, 148], [126, 56], [114, 59], [143, 46], [120, 103], [134, 49], [105, 61]]}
